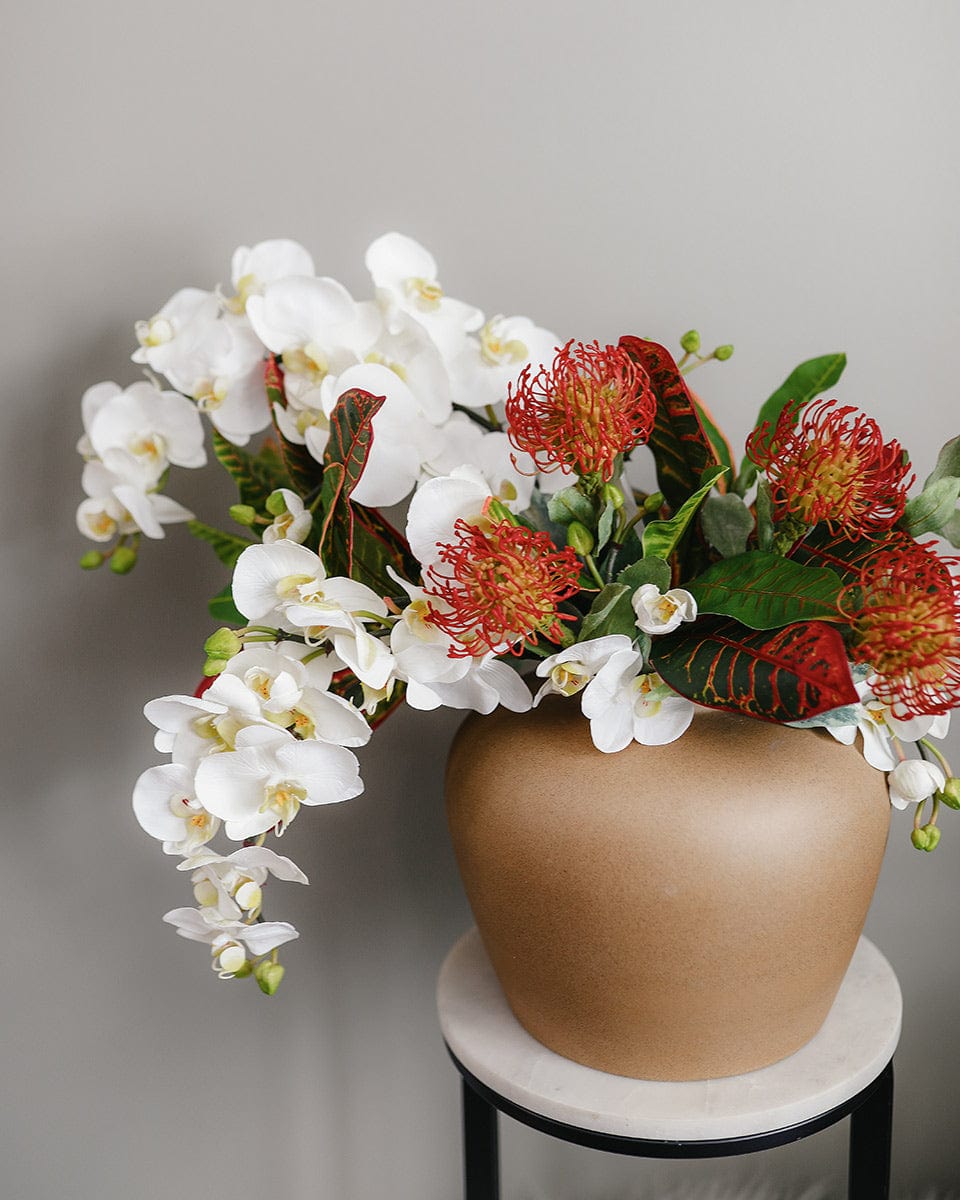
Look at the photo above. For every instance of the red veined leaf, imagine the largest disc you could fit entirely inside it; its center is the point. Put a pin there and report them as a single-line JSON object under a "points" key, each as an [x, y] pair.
{"points": [[351, 436], [821, 548], [680, 445], [785, 675], [303, 469]]}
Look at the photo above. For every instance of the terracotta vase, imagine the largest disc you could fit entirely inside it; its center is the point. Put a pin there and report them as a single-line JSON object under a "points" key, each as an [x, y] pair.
{"points": [[673, 912]]}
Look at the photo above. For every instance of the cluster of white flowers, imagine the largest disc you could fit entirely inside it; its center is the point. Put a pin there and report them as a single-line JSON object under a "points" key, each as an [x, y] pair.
{"points": [[322, 654]]}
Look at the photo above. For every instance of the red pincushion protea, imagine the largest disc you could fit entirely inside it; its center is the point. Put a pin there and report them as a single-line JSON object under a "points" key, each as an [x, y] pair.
{"points": [[833, 467], [499, 587], [590, 405], [905, 610]]}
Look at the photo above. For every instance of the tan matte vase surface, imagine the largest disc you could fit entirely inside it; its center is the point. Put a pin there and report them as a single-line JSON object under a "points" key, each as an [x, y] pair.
{"points": [[672, 912]]}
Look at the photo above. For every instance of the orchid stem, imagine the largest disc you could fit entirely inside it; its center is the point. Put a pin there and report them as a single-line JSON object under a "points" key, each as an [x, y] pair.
{"points": [[592, 568], [938, 756]]}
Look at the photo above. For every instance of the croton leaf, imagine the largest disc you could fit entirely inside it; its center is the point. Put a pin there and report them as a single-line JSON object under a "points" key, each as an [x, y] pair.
{"points": [[802, 385], [680, 445], [351, 436], [377, 545], [821, 548], [766, 591], [721, 447], [255, 477], [785, 675], [302, 468]]}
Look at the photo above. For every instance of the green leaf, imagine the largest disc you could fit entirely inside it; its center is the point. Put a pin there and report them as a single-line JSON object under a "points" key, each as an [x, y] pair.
{"points": [[933, 508], [681, 448], [222, 608], [570, 504], [605, 525], [948, 463], [227, 546], [661, 538], [255, 478], [764, 507], [646, 570], [803, 384], [719, 444], [765, 591], [821, 548], [776, 675], [726, 523], [611, 612], [951, 530]]}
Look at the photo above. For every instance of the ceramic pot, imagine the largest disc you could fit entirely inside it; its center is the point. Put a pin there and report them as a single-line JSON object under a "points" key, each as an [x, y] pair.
{"points": [[672, 912]]}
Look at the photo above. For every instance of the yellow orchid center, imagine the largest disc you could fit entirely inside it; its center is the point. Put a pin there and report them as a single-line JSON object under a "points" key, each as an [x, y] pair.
{"points": [[425, 293]]}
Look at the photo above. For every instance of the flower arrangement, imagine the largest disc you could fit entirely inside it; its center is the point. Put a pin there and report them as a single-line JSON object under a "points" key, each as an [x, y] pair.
{"points": [[791, 588]]}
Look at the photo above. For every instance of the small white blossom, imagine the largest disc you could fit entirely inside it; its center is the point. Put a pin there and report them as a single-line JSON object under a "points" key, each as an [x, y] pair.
{"points": [[227, 938], [623, 705], [913, 781], [293, 524], [232, 884], [662, 612], [166, 807], [253, 267], [569, 671]]}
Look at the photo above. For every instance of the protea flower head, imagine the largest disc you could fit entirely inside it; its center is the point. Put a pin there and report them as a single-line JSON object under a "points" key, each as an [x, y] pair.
{"points": [[905, 610], [590, 405], [499, 587], [832, 466]]}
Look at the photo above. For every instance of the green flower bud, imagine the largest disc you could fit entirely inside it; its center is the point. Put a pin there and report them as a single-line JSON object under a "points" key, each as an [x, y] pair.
{"points": [[919, 838], [225, 643], [580, 538], [654, 502], [243, 514], [244, 971], [951, 793], [933, 837], [213, 666], [123, 560], [611, 494], [498, 511], [268, 975], [690, 341], [91, 560], [276, 506], [722, 353]]}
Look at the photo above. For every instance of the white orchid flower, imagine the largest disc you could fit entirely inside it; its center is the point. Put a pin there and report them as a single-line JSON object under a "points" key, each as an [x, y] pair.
{"points": [[232, 884], [410, 353], [492, 359], [439, 503], [189, 728], [913, 781], [877, 725], [229, 940], [623, 705], [154, 427], [293, 524], [253, 267], [263, 782], [508, 474], [404, 275], [570, 670], [268, 577], [166, 807], [121, 499], [662, 612], [187, 326]]}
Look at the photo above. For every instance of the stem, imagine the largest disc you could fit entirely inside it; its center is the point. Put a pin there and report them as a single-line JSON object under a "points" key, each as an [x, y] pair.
{"points": [[927, 745], [492, 418], [693, 366], [592, 568], [475, 416]]}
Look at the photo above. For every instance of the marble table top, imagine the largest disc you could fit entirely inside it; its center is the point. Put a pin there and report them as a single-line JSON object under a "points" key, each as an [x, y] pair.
{"points": [[853, 1046]]}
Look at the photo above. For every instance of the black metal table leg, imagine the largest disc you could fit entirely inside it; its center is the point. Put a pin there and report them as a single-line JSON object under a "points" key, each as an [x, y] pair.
{"points": [[871, 1131], [481, 1148]]}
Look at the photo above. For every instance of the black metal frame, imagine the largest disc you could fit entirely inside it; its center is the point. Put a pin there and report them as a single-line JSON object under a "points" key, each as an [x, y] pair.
{"points": [[871, 1127]]}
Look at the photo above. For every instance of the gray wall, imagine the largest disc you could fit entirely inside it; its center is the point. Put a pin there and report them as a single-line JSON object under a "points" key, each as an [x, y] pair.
{"points": [[783, 176]]}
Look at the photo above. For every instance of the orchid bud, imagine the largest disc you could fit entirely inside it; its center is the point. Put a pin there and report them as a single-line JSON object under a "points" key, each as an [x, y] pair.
{"points": [[611, 494], [268, 975], [276, 505], [213, 666], [123, 560], [653, 502], [919, 838], [232, 959], [249, 896], [722, 353], [223, 644], [243, 514], [690, 341], [579, 538], [950, 793], [91, 560], [926, 837]]}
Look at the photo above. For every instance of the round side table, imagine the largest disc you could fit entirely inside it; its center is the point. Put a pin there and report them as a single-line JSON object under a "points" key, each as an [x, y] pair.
{"points": [[846, 1070]]}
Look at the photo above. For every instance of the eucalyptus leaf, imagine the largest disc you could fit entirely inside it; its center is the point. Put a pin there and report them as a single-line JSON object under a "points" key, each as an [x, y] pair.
{"points": [[764, 506], [951, 530], [848, 714], [611, 612], [661, 538], [646, 570], [948, 463], [932, 509], [727, 523], [570, 504], [605, 525]]}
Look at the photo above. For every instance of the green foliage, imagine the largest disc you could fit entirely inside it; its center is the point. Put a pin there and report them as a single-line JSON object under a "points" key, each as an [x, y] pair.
{"points": [[933, 509], [948, 463], [727, 523], [765, 591], [661, 538], [605, 525], [255, 477], [222, 608], [764, 507], [570, 504], [646, 570], [302, 469], [611, 612], [227, 546]]}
